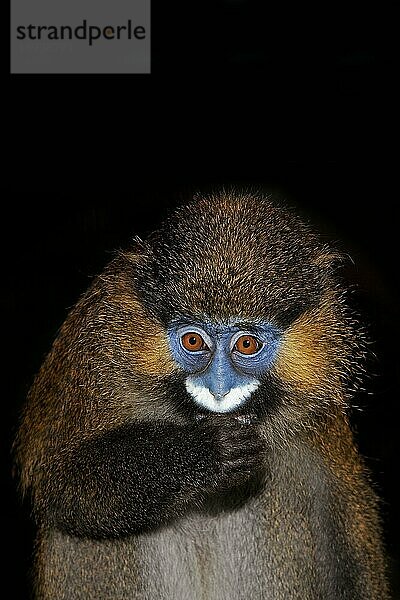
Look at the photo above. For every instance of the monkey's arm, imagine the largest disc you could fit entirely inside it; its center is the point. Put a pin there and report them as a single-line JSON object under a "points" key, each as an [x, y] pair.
{"points": [[142, 475]]}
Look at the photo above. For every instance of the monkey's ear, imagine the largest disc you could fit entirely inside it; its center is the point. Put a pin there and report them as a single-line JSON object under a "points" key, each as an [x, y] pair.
{"points": [[135, 253], [137, 247], [331, 258]]}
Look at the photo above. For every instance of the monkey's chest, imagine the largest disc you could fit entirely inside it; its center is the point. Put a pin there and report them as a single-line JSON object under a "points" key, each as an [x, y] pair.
{"points": [[204, 558]]}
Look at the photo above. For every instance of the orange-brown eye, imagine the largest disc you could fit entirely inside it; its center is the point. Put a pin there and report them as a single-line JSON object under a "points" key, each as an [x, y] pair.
{"points": [[193, 341], [247, 344]]}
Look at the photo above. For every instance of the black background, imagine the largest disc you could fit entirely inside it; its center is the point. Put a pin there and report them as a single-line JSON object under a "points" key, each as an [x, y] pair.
{"points": [[298, 101]]}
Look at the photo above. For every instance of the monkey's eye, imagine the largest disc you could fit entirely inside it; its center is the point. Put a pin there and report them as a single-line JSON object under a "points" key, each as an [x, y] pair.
{"points": [[247, 344], [193, 342]]}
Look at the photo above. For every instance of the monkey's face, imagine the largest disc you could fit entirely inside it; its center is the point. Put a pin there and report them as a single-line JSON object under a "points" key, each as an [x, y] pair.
{"points": [[223, 363], [252, 311]]}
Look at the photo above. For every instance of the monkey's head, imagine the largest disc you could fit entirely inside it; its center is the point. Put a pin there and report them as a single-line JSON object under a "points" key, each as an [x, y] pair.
{"points": [[254, 315]]}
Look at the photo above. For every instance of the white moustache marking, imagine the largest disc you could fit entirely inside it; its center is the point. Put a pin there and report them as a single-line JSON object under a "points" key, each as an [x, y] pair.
{"points": [[232, 400]]}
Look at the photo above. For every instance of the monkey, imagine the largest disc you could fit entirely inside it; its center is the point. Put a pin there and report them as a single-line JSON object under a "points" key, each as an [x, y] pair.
{"points": [[188, 435]]}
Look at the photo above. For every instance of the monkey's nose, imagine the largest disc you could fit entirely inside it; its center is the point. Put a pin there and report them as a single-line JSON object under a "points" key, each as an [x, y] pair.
{"points": [[218, 396]]}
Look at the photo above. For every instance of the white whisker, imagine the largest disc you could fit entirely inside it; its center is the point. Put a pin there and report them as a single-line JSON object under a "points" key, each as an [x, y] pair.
{"points": [[234, 398]]}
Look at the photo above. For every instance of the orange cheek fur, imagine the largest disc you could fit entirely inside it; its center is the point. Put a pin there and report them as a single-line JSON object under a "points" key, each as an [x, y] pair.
{"points": [[152, 355], [309, 350], [147, 343]]}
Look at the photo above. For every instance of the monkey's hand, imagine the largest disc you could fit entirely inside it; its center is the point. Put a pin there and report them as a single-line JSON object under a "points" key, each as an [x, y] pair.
{"points": [[235, 451], [143, 475]]}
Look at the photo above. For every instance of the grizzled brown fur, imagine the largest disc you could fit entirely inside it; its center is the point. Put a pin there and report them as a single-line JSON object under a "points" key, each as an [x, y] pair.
{"points": [[133, 496]]}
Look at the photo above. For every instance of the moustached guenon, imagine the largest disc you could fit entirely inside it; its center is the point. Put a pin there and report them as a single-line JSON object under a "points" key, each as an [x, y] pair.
{"points": [[187, 436]]}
